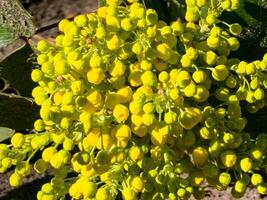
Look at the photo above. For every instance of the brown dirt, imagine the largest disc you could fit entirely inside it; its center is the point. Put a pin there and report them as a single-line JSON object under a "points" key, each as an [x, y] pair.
{"points": [[47, 12], [27, 191]]}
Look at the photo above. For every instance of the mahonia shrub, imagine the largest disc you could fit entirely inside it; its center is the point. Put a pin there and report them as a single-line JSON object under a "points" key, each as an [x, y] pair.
{"points": [[125, 113]]}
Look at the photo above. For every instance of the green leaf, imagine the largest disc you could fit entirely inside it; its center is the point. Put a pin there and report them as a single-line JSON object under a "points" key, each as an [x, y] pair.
{"points": [[102, 3], [250, 13], [16, 70], [15, 22], [6, 36], [245, 15], [176, 9], [5, 133], [17, 112], [257, 10]]}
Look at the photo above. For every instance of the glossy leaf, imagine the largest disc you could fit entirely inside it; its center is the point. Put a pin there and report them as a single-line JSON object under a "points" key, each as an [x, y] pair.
{"points": [[16, 70], [17, 112], [5, 133]]}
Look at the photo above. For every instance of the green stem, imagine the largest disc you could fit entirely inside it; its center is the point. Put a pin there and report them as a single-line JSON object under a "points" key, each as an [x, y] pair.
{"points": [[102, 142], [247, 83], [225, 23], [30, 157], [212, 4], [70, 179], [195, 67], [144, 4]]}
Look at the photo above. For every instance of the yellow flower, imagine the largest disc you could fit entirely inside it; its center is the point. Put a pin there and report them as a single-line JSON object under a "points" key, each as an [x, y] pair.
{"points": [[158, 137], [105, 141], [220, 72], [134, 78], [137, 183], [92, 138], [228, 158], [136, 153], [95, 98], [125, 94], [121, 113], [117, 68], [102, 12], [200, 156], [129, 194], [95, 76], [111, 100], [113, 43], [123, 132], [140, 131]]}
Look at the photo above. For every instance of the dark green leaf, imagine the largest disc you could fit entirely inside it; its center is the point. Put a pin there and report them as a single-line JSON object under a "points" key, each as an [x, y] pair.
{"points": [[5, 133], [256, 11], [15, 22], [101, 3], [255, 121], [252, 12], [252, 15], [16, 70], [176, 8], [17, 112], [234, 17], [2, 84]]}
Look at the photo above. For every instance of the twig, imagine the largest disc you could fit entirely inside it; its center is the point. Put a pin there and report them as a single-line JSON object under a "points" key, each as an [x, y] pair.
{"points": [[17, 96]]}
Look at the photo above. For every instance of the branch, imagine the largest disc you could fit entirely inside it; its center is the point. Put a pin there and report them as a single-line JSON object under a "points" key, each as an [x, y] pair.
{"points": [[17, 96]]}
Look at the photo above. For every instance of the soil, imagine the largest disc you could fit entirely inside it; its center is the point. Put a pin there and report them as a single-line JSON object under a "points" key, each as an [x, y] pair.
{"points": [[47, 12]]}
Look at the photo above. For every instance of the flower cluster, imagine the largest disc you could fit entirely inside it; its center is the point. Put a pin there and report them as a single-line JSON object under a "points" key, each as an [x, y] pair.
{"points": [[125, 112]]}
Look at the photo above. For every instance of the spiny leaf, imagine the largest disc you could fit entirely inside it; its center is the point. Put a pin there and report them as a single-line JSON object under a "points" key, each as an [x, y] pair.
{"points": [[15, 22], [6, 36]]}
